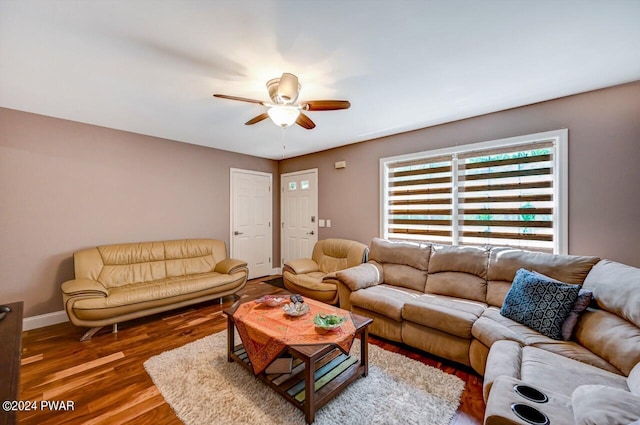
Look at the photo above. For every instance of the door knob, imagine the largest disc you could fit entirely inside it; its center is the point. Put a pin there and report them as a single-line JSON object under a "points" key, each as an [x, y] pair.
{"points": [[311, 233], [237, 233]]}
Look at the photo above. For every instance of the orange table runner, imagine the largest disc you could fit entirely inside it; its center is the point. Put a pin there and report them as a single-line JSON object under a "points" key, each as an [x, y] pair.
{"points": [[266, 331]]}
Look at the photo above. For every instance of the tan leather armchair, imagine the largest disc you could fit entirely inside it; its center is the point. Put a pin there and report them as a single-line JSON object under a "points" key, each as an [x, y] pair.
{"points": [[115, 283], [315, 277]]}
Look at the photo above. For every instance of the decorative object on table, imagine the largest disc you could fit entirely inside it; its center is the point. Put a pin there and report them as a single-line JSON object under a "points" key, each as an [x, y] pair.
{"points": [[203, 388], [271, 300], [328, 322], [296, 309], [296, 298]]}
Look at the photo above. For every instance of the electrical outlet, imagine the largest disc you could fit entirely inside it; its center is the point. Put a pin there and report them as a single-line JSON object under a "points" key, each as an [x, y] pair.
{"points": [[328, 223]]}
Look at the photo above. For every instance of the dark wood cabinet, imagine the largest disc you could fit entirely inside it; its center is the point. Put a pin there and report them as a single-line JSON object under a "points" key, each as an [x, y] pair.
{"points": [[10, 351]]}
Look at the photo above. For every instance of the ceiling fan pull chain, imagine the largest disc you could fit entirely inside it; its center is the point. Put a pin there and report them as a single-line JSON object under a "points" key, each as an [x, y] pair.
{"points": [[284, 144]]}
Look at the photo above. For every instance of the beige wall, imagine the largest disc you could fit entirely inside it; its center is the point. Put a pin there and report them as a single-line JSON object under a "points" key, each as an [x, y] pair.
{"points": [[604, 168], [66, 186]]}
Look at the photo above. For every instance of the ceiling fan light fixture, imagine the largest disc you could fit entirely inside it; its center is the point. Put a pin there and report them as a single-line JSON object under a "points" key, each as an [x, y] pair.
{"points": [[283, 115]]}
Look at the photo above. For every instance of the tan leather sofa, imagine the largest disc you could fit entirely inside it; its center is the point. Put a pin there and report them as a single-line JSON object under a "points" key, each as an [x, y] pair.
{"points": [[115, 283], [446, 300], [315, 277]]}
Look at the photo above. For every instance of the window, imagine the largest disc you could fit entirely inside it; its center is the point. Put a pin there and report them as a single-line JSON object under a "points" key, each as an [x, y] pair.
{"points": [[504, 192]]}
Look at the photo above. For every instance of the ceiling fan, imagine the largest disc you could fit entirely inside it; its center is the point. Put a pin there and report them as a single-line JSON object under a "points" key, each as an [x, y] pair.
{"points": [[283, 109]]}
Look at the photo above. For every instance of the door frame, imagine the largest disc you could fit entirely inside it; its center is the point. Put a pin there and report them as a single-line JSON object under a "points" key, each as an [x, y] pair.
{"points": [[282, 176], [231, 193]]}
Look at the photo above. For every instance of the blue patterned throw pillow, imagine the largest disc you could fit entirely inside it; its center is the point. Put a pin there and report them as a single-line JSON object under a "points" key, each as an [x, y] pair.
{"points": [[539, 302]]}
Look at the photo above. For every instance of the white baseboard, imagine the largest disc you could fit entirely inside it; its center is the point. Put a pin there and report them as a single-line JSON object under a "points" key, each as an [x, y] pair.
{"points": [[276, 270], [35, 322]]}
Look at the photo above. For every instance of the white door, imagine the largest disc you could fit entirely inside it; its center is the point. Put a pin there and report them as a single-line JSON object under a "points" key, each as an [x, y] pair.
{"points": [[251, 214], [299, 212]]}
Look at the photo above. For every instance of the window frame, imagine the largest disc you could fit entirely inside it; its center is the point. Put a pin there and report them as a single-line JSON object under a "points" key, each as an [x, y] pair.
{"points": [[560, 175]]}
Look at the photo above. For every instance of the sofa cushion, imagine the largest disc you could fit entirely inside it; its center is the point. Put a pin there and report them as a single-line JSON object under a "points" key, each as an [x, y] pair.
{"points": [[492, 327], [610, 337], [603, 405], [580, 305], [386, 300], [161, 292], [633, 380], [404, 263], [124, 264], [404, 276], [616, 289], [451, 315], [504, 262], [544, 369], [539, 302], [362, 276], [458, 271], [411, 254]]}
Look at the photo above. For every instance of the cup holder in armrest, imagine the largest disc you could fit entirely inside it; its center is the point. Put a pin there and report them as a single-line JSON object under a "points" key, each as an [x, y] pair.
{"points": [[529, 414], [530, 393]]}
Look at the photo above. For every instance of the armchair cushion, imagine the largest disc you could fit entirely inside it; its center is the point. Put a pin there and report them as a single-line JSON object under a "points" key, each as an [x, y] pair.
{"points": [[362, 276], [302, 266]]}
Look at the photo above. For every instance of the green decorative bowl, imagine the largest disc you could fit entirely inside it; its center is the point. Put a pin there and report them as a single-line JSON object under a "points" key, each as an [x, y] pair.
{"points": [[328, 322]]}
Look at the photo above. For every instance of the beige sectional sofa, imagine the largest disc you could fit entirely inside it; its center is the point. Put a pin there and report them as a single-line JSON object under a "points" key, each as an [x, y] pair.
{"points": [[446, 300], [115, 283]]}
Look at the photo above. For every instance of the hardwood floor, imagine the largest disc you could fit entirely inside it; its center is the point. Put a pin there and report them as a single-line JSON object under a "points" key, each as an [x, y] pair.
{"points": [[107, 383]]}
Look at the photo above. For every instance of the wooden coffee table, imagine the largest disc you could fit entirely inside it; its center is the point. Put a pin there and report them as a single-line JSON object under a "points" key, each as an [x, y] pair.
{"points": [[320, 371]]}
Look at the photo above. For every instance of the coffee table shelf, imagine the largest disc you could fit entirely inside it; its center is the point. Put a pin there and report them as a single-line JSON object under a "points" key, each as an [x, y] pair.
{"points": [[330, 368], [319, 371]]}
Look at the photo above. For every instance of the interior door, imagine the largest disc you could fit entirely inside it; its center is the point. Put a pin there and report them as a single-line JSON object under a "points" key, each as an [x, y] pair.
{"points": [[251, 213], [299, 212]]}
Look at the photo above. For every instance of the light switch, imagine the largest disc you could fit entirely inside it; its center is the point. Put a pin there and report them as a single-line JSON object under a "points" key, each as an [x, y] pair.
{"points": [[320, 223], [328, 222]]}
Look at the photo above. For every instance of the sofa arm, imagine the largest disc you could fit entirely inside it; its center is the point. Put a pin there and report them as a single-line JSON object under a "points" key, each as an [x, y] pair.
{"points": [[230, 266], [83, 287], [301, 266], [362, 276], [505, 359]]}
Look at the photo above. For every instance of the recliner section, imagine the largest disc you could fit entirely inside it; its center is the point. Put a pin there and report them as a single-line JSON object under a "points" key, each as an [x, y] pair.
{"points": [[446, 300]]}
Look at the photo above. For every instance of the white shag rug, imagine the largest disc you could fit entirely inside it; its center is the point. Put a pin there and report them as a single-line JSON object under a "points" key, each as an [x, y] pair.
{"points": [[203, 388]]}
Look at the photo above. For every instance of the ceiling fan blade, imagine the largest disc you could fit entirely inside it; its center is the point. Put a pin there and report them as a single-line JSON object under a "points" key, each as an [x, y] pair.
{"points": [[325, 105], [305, 122], [241, 99], [257, 119]]}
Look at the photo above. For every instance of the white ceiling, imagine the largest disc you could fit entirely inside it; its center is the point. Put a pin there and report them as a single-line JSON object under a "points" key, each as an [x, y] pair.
{"points": [[151, 66]]}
